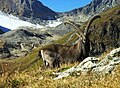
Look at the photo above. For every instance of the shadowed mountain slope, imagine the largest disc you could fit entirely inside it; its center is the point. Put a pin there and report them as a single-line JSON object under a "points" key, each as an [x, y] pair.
{"points": [[27, 8]]}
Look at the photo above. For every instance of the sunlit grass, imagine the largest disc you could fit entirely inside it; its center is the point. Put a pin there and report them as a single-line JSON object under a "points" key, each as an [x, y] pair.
{"points": [[43, 78], [28, 71]]}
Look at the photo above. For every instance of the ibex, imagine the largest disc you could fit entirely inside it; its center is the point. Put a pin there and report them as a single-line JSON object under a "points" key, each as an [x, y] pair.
{"points": [[55, 54], [24, 49]]}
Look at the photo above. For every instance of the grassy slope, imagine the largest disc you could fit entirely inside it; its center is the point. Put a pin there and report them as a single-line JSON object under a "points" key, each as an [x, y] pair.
{"points": [[98, 26], [36, 77], [32, 58]]}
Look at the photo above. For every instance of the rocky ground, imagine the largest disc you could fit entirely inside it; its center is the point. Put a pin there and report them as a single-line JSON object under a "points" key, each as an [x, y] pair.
{"points": [[91, 73], [94, 65], [30, 38]]}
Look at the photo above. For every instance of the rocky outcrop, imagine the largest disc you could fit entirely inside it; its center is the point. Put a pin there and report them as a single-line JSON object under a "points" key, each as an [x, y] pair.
{"points": [[95, 65], [4, 53], [61, 29], [27, 8], [108, 64], [29, 38]]}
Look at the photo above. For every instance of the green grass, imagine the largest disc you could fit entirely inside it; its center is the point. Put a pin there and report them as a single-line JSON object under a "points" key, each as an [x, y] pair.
{"points": [[98, 25], [106, 17]]}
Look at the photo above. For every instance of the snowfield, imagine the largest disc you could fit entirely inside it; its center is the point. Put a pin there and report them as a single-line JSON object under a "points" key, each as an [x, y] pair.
{"points": [[12, 22], [53, 24]]}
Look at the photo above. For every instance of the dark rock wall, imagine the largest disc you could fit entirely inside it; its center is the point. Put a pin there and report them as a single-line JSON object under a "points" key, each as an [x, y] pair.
{"points": [[27, 8]]}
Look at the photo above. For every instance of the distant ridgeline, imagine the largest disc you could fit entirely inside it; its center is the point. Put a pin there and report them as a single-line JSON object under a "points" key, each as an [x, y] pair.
{"points": [[3, 30]]}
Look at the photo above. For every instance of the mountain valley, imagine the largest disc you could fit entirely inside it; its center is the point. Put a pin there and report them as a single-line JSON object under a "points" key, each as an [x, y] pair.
{"points": [[27, 27]]}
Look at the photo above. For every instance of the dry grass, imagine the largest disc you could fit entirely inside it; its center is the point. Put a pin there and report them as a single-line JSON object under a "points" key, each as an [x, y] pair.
{"points": [[36, 76], [42, 78], [104, 54]]}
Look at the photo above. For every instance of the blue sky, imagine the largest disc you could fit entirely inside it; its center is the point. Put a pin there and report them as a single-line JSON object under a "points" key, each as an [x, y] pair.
{"points": [[64, 5]]}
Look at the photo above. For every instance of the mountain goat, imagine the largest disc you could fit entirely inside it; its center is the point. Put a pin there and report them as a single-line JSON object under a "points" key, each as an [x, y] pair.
{"points": [[57, 53]]}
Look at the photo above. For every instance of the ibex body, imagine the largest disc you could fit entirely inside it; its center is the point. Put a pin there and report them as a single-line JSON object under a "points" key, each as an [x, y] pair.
{"points": [[55, 54], [52, 54]]}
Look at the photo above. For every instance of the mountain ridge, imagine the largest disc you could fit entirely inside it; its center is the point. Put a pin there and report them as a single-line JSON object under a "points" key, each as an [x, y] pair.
{"points": [[84, 13], [27, 8], [34, 9]]}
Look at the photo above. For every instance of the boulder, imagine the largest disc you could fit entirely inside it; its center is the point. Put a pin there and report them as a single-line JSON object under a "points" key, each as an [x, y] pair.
{"points": [[28, 37], [4, 53], [94, 65]]}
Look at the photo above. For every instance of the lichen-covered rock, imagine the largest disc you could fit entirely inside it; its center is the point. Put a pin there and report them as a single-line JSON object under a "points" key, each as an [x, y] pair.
{"points": [[92, 64], [109, 62]]}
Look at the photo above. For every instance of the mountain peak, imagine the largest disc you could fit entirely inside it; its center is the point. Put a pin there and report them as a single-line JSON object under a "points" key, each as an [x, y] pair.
{"points": [[95, 7], [27, 8]]}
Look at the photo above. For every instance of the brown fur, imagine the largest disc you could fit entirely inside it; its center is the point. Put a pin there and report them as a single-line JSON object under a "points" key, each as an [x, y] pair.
{"points": [[56, 54]]}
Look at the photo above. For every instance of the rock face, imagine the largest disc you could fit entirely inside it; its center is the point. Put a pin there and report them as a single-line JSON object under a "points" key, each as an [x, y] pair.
{"points": [[61, 29], [4, 53], [95, 65], [95, 7], [21, 41], [27, 8]]}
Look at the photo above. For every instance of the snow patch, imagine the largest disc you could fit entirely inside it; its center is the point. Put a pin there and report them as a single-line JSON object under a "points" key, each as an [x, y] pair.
{"points": [[53, 23], [12, 22]]}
